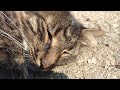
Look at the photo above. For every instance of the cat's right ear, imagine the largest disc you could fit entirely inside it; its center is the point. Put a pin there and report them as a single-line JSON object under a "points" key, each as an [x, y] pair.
{"points": [[89, 36]]}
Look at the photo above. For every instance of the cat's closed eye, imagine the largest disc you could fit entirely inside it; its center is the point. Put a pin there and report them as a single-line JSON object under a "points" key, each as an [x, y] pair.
{"points": [[65, 53]]}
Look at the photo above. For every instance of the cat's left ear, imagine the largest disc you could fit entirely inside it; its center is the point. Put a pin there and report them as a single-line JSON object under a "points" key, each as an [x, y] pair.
{"points": [[89, 36]]}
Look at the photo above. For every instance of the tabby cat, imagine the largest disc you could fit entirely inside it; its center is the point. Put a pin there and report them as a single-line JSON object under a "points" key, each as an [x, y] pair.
{"points": [[37, 40]]}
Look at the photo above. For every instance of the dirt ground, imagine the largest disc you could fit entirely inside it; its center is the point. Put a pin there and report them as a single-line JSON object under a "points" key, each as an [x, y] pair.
{"points": [[102, 62]]}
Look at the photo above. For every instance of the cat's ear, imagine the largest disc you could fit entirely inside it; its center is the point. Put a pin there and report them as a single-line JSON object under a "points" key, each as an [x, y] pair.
{"points": [[89, 36]]}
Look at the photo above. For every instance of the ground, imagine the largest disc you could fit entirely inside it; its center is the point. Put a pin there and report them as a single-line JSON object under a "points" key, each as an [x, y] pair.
{"points": [[102, 62]]}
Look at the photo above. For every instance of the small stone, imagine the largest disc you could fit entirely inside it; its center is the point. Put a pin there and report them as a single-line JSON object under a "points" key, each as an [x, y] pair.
{"points": [[92, 61], [107, 45], [88, 19]]}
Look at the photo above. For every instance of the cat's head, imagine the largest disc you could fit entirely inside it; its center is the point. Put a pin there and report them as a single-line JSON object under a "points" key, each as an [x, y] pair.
{"points": [[57, 37]]}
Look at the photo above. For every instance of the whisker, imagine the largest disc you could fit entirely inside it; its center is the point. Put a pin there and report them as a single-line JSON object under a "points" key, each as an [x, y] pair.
{"points": [[13, 49], [11, 38], [16, 27], [17, 39]]}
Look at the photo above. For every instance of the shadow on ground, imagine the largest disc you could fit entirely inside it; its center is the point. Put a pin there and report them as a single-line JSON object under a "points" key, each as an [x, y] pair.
{"points": [[49, 75], [6, 74]]}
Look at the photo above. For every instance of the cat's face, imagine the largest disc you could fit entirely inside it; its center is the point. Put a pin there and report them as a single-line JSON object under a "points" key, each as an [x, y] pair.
{"points": [[53, 38], [57, 35], [63, 45], [57, 47]]}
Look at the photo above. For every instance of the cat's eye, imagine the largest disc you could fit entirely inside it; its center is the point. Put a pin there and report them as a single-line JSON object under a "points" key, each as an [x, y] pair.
{"points": [[65, 52]]}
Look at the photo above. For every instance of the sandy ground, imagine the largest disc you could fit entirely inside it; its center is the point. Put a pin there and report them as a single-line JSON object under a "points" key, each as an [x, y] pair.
{"points": [[102, 62]]}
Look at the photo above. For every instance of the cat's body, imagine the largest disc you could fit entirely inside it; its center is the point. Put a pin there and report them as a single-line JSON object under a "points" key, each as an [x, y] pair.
{"points": [[45, 35]]}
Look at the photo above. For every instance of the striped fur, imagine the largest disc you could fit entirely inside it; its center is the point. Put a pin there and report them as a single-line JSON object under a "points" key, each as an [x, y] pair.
{"points": [[36, 39]]}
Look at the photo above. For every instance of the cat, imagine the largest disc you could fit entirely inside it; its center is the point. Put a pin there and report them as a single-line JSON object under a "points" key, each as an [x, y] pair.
{"points": [[37, 40]]}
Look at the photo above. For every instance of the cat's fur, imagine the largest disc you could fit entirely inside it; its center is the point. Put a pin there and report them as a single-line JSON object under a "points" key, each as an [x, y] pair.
{"points": [[44, 36]]}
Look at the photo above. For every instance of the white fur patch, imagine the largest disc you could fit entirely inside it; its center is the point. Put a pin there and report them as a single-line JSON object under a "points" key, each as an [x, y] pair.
{"points": [[25, 45], [54, 42]]}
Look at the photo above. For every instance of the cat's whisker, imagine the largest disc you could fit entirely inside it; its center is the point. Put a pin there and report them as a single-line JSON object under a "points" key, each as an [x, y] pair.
{"points": [[17, 39], [12, 49], [16, 27], [11, 38]]}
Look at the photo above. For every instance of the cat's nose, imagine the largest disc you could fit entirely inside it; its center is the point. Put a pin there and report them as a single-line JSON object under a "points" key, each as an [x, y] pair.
{"points": [[46, 65]]}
